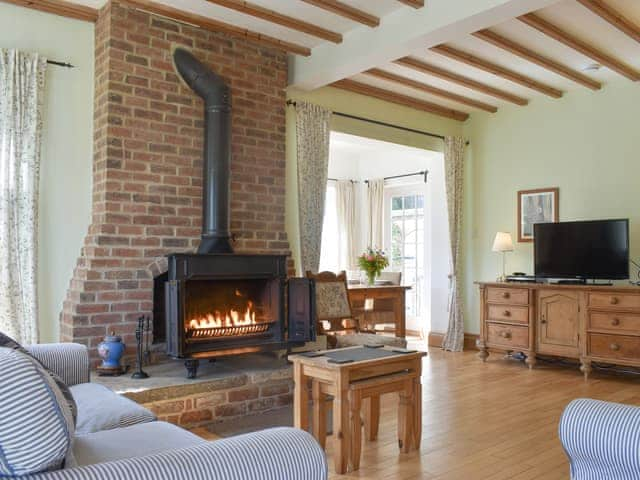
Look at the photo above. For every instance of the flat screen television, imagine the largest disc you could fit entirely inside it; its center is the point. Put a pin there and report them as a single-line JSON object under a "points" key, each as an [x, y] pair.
{"points": [[594, 250]]}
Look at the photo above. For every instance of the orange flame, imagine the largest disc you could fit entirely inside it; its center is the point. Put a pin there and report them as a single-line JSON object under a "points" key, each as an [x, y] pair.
{"points": [[230, 318]]}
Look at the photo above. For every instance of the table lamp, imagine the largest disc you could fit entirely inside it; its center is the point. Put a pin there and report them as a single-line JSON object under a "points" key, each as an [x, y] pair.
{"points": [[503, 243]]}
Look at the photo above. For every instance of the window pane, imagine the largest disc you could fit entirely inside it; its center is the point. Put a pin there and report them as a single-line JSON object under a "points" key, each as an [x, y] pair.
{"points": [[409, 202], [407, 246]]}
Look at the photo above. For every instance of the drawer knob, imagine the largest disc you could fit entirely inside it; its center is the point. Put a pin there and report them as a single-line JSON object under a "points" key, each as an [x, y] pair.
{"points": [[543, 321], [614, 301], [506, 313], [506, 295], [615, 322], [615, 347], [506, 335]]}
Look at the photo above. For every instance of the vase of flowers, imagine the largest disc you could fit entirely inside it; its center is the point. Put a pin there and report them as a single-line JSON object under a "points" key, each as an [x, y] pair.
{"points": [[372, 262]]}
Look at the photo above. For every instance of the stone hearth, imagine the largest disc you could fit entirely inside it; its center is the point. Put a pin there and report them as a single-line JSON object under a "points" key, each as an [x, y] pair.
{"points": [[230, 388]]}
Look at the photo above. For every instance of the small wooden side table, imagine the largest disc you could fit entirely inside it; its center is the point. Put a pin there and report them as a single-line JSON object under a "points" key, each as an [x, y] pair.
{"points": [[394, 294], [373, 372]]}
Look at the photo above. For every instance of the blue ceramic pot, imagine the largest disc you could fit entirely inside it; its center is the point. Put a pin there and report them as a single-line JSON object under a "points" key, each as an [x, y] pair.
{"points": [[111, 350]]}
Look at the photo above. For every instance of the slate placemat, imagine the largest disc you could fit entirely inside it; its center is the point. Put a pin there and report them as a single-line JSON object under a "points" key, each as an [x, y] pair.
{"points": [[360, 354]]}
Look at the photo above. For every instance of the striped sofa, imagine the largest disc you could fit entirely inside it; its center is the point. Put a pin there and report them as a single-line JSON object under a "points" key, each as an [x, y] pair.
{"points": [[140, 448], [601, 439]]}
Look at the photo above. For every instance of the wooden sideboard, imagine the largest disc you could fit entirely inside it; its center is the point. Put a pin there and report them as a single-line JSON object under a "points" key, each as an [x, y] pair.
{"points": [[589, 323]]}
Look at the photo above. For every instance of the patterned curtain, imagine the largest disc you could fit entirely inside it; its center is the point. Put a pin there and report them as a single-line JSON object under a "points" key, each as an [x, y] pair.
{"points": [[22, 77], [312, 140], [375, 198], [346, 198], [454, 169]]}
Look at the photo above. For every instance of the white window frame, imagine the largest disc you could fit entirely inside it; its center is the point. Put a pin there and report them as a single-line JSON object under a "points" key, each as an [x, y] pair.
{"points": [[401, 189]]}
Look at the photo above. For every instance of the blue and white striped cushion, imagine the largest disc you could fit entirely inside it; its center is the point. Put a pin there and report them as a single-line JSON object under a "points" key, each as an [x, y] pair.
{"points": [[601, 439], [37, 423], [62, 363]]}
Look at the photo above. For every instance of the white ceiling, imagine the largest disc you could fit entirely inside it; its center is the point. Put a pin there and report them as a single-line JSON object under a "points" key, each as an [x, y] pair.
{"points": [[354, 146]]}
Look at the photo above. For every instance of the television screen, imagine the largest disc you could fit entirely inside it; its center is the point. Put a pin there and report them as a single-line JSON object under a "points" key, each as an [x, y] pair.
{"points": [[586, 250]]}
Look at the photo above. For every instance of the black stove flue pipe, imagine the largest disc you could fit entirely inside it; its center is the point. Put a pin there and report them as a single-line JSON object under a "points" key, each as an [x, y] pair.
{"points": [[216, 235]]}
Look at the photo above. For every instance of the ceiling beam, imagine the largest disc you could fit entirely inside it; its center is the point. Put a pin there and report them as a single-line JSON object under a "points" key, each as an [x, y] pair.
{"points": [[344, 10], [413, 3], [401, 32], [570, 41], [386, 95], [423, 87], [207, 23], [59, 7], [466, 82], [497, 70], [279, 18], [512, 47], [614, 17]]}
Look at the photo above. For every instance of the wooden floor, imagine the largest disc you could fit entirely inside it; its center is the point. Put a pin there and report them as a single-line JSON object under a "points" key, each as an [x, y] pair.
{"points": [[490, 421]]}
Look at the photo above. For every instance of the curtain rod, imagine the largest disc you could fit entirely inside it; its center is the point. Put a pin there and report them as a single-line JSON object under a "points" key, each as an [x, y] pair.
{"points": [[384, 124], [60, 64], [338, 180], [424, 173]]}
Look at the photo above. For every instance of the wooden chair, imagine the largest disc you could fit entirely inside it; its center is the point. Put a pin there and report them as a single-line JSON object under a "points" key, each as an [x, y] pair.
{"points": [[334, 315], [333, 310], [394, 277]]}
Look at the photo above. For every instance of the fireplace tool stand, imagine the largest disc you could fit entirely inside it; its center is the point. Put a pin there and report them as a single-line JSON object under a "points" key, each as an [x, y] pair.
{"points": [[140, 329]]}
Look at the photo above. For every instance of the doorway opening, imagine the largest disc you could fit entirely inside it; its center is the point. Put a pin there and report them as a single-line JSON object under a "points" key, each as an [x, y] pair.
{"points": [[413, 215]]}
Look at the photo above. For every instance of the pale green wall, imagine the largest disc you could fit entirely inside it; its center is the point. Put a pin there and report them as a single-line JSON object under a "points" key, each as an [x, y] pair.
{"points": [[367, 107], [585, 143], [65, 185]]}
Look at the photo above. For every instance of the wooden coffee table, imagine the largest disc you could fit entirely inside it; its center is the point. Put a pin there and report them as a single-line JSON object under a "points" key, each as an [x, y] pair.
{"points": [[365, 374]]}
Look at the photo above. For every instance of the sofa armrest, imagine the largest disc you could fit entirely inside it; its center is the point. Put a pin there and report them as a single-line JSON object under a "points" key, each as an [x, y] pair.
{"points": [[274, 454], [601, 439], [70, 361]]}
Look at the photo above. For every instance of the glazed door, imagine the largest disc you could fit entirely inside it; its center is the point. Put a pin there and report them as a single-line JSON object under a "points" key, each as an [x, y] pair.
{"points": [[558, 323]]}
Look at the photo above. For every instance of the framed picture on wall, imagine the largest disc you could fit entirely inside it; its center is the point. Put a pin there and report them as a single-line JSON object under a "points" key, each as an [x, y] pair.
{"points": [[536, 206]]}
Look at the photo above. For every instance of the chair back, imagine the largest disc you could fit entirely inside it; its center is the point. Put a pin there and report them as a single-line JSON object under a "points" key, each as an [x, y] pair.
{"points": [[394, 277], [333, 310]]}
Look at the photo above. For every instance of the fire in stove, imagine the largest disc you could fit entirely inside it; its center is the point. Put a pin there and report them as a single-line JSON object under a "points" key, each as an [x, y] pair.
{"points": [[227, 321]]}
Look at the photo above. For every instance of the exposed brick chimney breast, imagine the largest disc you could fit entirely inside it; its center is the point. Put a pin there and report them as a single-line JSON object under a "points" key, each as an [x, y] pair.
{"points": [[147, 166]]}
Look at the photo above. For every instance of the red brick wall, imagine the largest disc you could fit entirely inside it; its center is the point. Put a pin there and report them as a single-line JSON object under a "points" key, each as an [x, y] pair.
{"points": [[147, 167]]}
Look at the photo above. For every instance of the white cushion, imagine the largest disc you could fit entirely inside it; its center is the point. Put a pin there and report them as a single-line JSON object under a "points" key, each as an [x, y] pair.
{"points": [[99, 408], [36, 421], [131, 442]]}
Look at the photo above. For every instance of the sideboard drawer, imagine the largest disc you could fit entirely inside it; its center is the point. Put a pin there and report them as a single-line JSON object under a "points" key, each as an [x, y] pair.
{"points": [[515, 296], [508, 335], [614, 300], [619, 322], [614, 346], [508, 313]]}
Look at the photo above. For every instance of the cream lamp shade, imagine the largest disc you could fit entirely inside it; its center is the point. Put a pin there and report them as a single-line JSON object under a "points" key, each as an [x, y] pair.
{"points": [[503, 242]]}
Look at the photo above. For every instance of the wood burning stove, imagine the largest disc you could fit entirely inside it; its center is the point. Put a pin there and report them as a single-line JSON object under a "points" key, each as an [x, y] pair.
{"points": [[216, 302], [225, 304]]}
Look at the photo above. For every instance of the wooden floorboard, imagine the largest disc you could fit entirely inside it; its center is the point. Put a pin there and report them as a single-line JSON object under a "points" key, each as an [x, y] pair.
{"points": [[493, 421]]}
